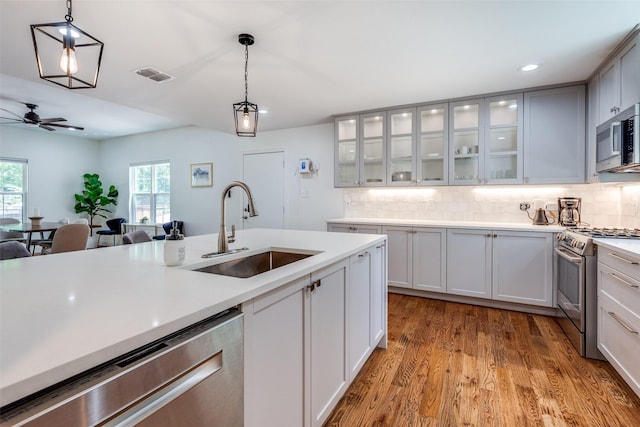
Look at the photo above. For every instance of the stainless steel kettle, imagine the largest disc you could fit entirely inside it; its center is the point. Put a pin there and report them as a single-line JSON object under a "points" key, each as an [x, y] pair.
{"points": [[540, 217]]}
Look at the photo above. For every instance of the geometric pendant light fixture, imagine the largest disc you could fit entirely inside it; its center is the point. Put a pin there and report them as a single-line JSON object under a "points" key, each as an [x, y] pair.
{"points": [[245, 112], [66, 55]]}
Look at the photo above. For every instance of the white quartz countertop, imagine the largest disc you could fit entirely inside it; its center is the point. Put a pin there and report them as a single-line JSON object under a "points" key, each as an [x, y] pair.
{"points": [[630, 246], [451, 224], [63, 314]]}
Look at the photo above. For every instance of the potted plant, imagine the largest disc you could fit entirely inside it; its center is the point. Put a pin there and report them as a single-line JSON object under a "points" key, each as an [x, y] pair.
{"points": [[144, 220], [93, 200]]}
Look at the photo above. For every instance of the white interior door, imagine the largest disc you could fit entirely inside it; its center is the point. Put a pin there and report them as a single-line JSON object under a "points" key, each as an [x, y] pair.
{"points": [[264, 174]]}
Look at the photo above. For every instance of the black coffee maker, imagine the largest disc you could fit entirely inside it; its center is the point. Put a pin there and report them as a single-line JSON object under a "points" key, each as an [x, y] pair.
{"points": [[569, 211]]}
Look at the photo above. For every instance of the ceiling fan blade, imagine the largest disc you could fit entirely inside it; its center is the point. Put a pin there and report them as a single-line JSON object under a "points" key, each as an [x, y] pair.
{"points": [[63, 126], [12, 113], [12, 119], [45, 127], [56, 119]]}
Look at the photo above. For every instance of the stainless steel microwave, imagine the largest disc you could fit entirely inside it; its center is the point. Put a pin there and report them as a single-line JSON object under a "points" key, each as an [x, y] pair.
{"points": [[618, 142]]}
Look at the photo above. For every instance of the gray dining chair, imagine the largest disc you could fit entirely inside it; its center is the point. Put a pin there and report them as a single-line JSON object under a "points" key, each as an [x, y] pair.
{"points": [[137, 236], [10, 250]]}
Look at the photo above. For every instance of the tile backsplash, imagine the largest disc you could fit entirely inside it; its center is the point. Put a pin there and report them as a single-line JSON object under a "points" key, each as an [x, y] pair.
{"points": [[615, 205]]}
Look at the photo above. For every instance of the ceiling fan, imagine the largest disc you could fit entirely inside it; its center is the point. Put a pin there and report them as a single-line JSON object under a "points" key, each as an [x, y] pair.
{"points": [[31, 118]]}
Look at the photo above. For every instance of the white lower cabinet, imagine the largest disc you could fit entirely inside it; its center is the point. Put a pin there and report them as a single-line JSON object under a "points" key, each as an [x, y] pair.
{"points": [[326, 358], [274, 357], [366, 305], [417, 257], [523, 267], [619, 313], [469, 262], [508, 266], [353, 228], [306, 341]]}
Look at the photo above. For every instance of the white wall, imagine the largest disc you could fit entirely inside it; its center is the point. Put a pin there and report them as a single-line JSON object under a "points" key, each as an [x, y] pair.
{"points": [[200, 207], [56, 166], [310, 199]]}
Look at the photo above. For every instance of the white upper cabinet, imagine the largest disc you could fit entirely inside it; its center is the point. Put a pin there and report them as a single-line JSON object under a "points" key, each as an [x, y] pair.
{"points": [[619, 81], [554, 135], [401, 151], [417, 146], [486, 140], [432, 144], [466, 164], [360, 150], [503, 148], [347, 167]]}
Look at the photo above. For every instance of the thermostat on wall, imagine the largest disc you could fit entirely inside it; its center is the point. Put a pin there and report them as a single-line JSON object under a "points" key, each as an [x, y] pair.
{"points": [[305, 166]]}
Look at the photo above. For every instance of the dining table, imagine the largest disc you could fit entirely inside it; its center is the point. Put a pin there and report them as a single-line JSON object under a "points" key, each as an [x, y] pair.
{"points": [[30, 228]]}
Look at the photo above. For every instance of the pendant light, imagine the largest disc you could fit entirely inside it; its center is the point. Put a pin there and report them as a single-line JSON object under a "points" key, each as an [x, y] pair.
{"points": [[246, 113], [66, 55]]}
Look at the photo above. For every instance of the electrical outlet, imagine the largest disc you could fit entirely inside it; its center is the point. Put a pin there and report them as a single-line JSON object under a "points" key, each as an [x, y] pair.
{"points": [[524, 206]]}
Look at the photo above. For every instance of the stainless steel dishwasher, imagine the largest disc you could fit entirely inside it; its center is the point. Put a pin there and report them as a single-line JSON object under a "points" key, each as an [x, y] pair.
{"points": [[191, 378]]}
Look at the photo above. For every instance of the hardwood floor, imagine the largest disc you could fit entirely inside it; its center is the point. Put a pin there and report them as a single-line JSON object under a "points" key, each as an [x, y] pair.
{"points": [[452, 364]]}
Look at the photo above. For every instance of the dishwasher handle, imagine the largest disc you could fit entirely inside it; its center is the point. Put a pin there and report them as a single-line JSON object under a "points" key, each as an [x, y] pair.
{"points": [[164, 396]]}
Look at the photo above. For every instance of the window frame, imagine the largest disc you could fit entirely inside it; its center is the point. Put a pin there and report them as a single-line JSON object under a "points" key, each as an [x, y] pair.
{"points": [[23, 193], [153, 194]]}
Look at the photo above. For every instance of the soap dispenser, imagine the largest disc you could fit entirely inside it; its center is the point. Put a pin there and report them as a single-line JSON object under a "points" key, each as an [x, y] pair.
{"points": [[174, 247]]}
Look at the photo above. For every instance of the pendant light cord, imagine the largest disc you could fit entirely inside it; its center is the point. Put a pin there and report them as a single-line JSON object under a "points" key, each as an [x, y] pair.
{"points": [[246, 72], [68, 16]]}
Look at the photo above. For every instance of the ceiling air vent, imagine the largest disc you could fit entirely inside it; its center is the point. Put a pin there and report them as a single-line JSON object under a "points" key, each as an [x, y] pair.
{"points": [[153, 74]]}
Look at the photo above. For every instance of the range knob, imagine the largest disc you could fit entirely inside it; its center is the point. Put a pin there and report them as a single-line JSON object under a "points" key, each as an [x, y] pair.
{"points": [[580, 245], [561, 236]]}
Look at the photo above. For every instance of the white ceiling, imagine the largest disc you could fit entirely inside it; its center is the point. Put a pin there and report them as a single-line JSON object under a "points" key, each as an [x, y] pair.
{"points": [[311, 59]]}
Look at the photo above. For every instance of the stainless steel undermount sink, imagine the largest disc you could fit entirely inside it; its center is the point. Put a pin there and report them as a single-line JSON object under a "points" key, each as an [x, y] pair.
{"points": [[253, 265]]}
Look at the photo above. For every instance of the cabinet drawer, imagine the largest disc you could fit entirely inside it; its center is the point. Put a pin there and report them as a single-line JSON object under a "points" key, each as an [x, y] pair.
{"points": [[620, 287], [622, 262], [619, 339]]}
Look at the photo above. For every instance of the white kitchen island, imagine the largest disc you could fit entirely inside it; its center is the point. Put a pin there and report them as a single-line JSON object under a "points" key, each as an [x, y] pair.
{"points": [[63, 314]]}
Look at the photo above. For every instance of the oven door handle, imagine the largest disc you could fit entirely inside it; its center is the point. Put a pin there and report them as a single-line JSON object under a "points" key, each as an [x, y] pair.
{"points": [[565, 255]]}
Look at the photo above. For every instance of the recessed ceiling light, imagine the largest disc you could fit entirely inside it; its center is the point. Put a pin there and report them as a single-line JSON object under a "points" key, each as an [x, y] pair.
{"points": [[528, 67]]}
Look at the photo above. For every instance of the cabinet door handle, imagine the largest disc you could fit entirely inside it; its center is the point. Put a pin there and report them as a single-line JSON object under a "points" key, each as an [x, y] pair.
{"points": [[494, 236], [487, 235], [620, 279], [628, 261], [312, 287], [362, 255], [380, 246], [624, 325]]}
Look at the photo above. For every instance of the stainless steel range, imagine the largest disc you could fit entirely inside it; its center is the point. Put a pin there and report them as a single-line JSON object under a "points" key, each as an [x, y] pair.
{"points": [[576, 264]]}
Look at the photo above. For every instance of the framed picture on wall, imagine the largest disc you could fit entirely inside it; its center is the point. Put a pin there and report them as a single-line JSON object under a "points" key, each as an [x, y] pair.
{"points": [[201, 174]]}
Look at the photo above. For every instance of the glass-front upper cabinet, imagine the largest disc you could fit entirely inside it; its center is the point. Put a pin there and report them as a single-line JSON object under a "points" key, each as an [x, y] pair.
{"points": [[503, 148], [401, 147], [360, 150], [372, 160], [466, 142], [431, 153], [347, 167]]}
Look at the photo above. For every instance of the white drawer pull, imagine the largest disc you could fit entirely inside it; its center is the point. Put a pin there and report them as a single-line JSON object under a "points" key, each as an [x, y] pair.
{"points": [[628, 261], [620, 279], [624, 325]]}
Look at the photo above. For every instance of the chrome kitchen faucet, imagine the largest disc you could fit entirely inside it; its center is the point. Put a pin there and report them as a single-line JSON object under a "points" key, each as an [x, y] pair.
{"points": [[223, 240]]}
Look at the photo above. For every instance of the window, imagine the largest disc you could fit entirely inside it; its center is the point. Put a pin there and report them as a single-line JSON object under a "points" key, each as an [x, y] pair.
{"points": [[13, 188], [149, 186]]}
